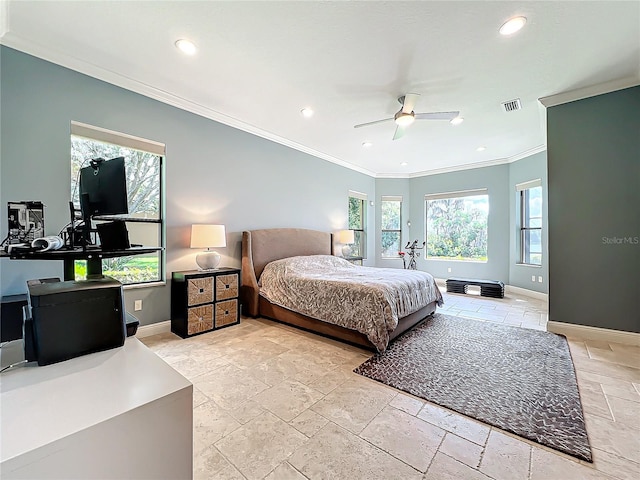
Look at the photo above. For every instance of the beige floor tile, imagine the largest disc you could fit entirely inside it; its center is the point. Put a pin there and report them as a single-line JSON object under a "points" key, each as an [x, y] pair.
{"points": [[624, 390], [618, 357], [198, 397], [625, 412], [257, 447], [462, 450], [505, 457], [191, 368], [354, 404], [285, 471], [331, 380], [309, 422], [404, 436], [546, 465], [462, 426], [613, 437], [615, 466], [407, 403], [276, 369], [255, 352], [334, 453], [444, 467], [608, 369], [229, 386], [210, 464], [210, 424], [593, 399], [246, 411], [288, 399]]}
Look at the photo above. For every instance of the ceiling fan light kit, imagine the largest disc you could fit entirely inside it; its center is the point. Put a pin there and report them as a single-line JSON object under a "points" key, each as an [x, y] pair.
{"points": [[406, 116]]}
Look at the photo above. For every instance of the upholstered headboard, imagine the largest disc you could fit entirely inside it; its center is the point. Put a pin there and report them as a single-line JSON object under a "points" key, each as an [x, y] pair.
{"points": [[260, 247]]}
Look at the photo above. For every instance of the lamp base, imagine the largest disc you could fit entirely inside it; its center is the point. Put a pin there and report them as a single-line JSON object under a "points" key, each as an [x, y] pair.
{"points": [[208, 260], [346, 250]]}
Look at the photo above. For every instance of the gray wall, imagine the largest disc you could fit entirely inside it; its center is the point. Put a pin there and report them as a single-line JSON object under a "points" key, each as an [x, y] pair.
{"points": [[496, 180], [594, 217], [214, 173], [530, 168]]}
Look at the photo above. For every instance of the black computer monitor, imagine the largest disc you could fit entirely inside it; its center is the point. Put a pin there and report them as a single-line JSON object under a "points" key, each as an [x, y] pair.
{"points": [[103, 188]]}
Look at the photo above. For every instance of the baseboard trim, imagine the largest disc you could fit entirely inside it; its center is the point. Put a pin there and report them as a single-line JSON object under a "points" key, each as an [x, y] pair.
{"points": [[594, 333], [526, 292], [153, 329]]}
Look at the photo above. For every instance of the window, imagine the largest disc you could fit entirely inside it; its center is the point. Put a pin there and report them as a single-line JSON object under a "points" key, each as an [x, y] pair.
{"points": [[530, 202], [391, 224], [145, 221], [457, 225], [357, 222]]}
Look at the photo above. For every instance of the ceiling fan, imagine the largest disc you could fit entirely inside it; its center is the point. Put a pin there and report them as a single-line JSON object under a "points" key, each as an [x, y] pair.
{"points": [[406, 116]]}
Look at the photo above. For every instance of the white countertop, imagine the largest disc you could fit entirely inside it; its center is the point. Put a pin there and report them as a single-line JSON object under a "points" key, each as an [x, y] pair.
{"points": [[39, 405]]}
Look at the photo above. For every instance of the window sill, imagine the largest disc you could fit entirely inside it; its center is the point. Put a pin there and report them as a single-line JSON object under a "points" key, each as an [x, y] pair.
{"points": [[133, 286], [528, 265]]}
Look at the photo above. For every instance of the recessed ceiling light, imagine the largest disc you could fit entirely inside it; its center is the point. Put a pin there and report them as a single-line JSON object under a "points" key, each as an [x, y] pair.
{"points": [[481, 149], [306, 112], [403, 164], [512, 25], [456, 121], [186, 46], [367, 144]]}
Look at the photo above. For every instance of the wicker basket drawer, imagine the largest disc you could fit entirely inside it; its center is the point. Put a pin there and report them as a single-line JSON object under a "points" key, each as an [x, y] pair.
{"points": [[199, 290], [226, 286], [226, 313], [200, 319]]}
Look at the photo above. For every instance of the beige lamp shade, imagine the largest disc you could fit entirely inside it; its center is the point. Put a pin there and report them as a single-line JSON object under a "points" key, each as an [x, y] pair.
{"points": [[208, 236], [346, 236]]}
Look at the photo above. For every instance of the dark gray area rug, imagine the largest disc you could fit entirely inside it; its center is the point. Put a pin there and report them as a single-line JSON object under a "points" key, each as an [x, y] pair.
{"points": [[522, 381]]}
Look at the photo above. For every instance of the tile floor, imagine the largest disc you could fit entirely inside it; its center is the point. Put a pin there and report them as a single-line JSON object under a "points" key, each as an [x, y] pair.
{"points": [[274, 402]]}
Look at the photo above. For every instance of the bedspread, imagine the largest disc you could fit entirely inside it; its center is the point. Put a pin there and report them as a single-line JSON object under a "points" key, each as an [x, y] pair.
{"points": [[367, 299]]}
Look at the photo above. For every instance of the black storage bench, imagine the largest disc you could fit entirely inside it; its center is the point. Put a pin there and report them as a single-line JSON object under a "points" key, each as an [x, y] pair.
{"points": [[488, 288]]}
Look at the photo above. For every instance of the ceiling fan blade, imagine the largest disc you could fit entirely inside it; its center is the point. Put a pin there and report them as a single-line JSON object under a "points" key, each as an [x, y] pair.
{"points": [[410, 100], [437, 116], [399, 132], [371, 123]]}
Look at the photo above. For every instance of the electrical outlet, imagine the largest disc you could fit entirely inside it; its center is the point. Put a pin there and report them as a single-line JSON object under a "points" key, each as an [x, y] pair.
{"points": [[533, 278], [449, 269], [137, 305], [540, 279]]}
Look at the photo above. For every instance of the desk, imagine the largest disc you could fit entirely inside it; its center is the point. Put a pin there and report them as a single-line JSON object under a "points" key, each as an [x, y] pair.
{"points": [[93, 256], [121, 413]]}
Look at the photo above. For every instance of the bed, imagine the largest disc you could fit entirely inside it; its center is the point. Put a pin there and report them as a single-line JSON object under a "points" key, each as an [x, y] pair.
{"points": [[269, 248]]}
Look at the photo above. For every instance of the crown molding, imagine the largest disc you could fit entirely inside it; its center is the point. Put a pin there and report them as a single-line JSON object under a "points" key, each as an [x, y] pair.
{"points": [[592, 91], [488, 163]]}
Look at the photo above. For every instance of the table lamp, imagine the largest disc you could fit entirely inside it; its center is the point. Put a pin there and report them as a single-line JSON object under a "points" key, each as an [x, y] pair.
{"points": [[347, 238], [208, 236]]}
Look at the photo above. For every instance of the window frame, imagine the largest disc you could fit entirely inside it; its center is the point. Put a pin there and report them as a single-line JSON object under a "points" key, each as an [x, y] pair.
{"points": [[523, 195], [362, 198], [447, 196], [157, 149], [394, 199]]}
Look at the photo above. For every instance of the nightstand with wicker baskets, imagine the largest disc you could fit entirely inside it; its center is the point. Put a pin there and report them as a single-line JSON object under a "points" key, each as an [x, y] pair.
{"points": [[202, 301]]}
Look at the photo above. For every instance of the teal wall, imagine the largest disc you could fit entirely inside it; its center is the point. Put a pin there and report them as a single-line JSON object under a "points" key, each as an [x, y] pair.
{"points": [[214, 173], [594, 216]]}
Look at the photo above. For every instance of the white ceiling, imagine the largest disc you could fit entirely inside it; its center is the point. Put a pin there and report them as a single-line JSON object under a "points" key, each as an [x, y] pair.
{"points": [[260, 63]]}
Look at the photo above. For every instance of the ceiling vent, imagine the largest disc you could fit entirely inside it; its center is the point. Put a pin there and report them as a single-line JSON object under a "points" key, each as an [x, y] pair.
{"points": [[512, 105]]}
